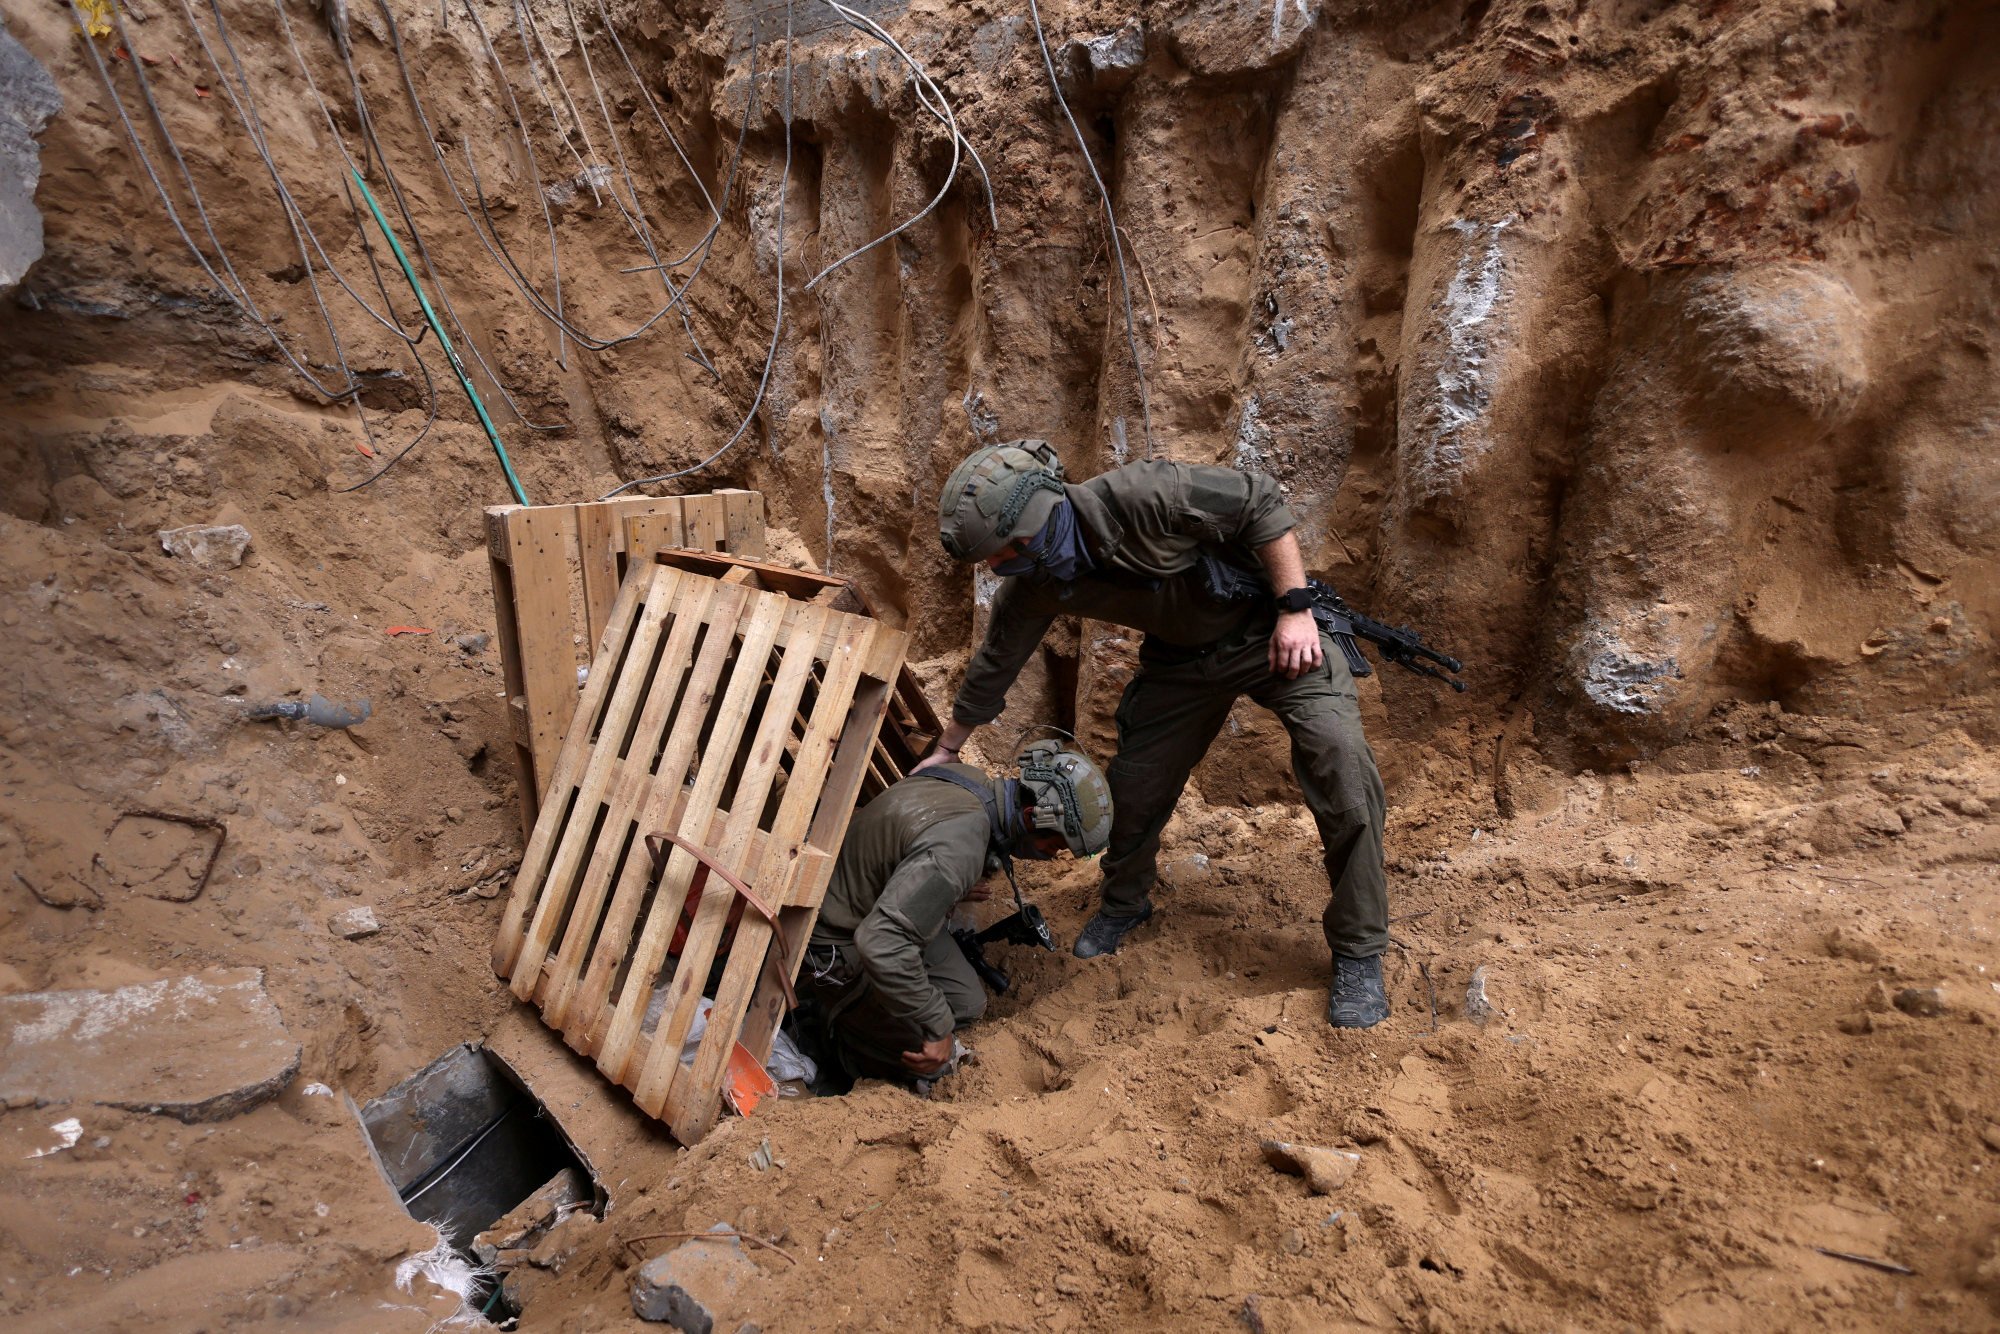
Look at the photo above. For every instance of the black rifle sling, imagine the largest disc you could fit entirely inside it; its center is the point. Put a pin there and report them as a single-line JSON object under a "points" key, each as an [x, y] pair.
{"points": [[996, 832], [1227, 583]]}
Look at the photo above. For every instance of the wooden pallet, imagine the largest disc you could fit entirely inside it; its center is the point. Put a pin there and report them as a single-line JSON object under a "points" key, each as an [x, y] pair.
{"points": [[556, 574], [742, 723], [912, 725]]}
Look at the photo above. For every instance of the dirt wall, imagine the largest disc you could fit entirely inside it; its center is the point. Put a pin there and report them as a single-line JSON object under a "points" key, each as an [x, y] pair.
{"points": [[1638, 352]]}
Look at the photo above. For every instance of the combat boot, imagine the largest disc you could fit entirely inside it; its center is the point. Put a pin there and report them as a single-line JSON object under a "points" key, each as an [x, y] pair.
{"points": [[1101, 934], [1358, 999]]}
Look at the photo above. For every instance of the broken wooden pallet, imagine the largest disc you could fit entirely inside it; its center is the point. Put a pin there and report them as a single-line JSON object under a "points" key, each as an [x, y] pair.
{"points": [[912, 725], [741, 723], [556, 573]]}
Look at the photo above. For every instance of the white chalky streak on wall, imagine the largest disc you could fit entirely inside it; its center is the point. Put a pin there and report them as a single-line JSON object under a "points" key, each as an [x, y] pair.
{"points": [[1252, 437], [826, 479], [1471, 307], [1278, 17]]}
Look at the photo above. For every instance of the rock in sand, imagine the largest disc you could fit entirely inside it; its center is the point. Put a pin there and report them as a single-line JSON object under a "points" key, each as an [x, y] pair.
{"points": [[696, 1286], [1325, 1170], [354, 923], [199, 1048], [1478, 1005], [211, 546], [1923, 1002]]}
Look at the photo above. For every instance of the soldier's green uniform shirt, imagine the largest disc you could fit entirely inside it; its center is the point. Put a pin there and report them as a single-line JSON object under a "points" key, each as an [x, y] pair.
{"points": [[898, 979], [1146, 525]]}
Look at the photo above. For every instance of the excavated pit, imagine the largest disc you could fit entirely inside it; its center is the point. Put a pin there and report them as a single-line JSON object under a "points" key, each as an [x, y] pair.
{"points": [[1640, 353]]}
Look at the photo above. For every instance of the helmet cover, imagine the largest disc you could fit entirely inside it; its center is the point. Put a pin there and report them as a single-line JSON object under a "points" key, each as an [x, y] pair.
{"points": [[998, 494], [1068, 796]]}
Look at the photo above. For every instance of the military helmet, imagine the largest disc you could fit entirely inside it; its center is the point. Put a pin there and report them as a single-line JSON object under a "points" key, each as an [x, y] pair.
{"points": [[1068, 794], [1001, 492]]}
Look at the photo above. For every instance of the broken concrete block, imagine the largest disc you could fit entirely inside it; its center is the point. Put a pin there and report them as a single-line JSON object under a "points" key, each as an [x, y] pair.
{"points": [[521, 1228], [696, 1286], [1106, 63], [354, 923], [1230, 37], [199, 1048], [1325, 1170], [210, 546], [28, 98]]}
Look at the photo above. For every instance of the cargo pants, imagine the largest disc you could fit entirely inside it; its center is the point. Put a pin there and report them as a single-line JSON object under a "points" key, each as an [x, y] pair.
{"points": [[1174, 707], [869, 1038]]}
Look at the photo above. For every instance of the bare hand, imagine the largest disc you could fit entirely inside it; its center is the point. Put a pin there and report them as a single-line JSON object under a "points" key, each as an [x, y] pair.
{"points": [[1295, 646], [935, 757], [931, 1057], [980, 892]]}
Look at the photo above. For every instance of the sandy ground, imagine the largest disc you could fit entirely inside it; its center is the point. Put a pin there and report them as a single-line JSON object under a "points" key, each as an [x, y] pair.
{"points": [[1694, 1072], [1697, 1066]]}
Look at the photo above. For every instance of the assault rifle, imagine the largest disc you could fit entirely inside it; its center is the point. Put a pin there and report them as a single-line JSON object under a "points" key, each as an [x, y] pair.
{"points": [[1398, 644], [1026, 927]]}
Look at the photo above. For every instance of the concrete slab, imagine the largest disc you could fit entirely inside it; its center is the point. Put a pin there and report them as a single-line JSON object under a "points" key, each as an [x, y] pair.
{"points": [[198, 1048]]}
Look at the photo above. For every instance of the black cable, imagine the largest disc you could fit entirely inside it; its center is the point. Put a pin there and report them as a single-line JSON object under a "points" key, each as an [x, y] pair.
{"points": [[239, 296], [367, 122], [777, 323], [1104, 196]]}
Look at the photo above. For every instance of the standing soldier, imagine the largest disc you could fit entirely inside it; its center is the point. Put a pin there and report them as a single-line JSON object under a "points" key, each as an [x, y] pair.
{"points": [[891, 983], [1126, 547]]}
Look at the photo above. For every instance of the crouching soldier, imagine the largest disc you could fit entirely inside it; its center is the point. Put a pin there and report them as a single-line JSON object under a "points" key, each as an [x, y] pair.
{"points": [[891, 983]]}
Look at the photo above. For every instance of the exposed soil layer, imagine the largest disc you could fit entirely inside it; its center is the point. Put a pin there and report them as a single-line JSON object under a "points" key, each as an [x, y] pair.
{"points": [[1640, 351]]}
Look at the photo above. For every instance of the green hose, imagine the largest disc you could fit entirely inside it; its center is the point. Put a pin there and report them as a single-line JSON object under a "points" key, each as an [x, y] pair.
{"points": [[513, 482]]}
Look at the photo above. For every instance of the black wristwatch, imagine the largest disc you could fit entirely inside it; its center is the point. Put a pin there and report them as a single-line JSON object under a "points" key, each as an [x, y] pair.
{"points": [[1298, 599]]}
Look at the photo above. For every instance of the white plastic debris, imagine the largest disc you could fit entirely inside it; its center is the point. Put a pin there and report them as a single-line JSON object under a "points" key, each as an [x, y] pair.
{"points": [[67, 1134], [444, 1268], [787, 1061]]}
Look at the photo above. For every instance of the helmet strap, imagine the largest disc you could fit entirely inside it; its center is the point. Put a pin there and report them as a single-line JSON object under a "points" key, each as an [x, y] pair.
{"points": [[1009, 794]]}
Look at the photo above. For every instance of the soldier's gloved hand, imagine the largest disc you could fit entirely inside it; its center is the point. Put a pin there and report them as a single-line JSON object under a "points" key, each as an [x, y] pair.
{"points": [[930, 1058], [1295, 646]]}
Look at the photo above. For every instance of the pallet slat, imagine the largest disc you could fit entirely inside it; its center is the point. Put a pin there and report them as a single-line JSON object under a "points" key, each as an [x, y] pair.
{"points": [[557, 570], [743, 721], [912, 724]]}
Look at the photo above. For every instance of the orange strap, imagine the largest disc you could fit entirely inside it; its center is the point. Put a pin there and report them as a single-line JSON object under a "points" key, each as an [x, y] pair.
{"points": [[655, 847]]}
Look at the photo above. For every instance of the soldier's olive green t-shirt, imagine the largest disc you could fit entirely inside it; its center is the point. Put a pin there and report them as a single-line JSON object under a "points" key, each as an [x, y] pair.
{"points": [[909, 857], [1146, 524]]}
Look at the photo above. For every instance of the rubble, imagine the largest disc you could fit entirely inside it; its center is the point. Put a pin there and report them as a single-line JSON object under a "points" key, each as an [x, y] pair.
{"points": [[199, 1048], [696, 1286], [1479, 1007], [212, 547], [354, 923], [28, 99], [1923, 1002], [521, 1229]]}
